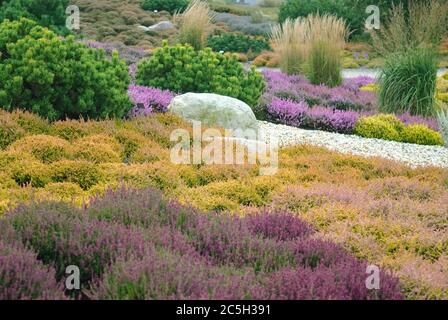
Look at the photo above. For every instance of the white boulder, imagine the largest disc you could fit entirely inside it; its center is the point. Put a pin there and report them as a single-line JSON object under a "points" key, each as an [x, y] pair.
{"points": [[215, 110], [161, 26]]}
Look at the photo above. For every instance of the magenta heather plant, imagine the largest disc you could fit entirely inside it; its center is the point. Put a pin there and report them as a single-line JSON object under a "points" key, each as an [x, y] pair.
{"points": [[162, 275], [23, 277], [358, 82], [135, 244], [345, 97], [287, 112], [293, 101], [298, 114], [281, 226], [62, 235], [147, 100], [408, 119]]}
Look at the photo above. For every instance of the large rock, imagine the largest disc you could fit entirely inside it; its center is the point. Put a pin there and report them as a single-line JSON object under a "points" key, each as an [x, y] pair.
{"points": [[161, 26], [213, 109]]}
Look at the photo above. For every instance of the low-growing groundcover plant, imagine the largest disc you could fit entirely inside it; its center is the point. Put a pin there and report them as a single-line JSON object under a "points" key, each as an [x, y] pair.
{"points": [[383, 212], [24, 277], [182, 69], [347, 109], [389, 127], [137, 245], [58, 78]]}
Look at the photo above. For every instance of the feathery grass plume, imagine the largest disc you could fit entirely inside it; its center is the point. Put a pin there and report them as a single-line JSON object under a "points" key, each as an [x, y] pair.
{"points": [[195, 24], [326, 39], [289, 42], [420, 24], [409, 43]]}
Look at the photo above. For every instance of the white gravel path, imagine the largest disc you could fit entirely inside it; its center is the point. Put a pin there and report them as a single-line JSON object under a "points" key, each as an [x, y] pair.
{"points": [[410, 154]]}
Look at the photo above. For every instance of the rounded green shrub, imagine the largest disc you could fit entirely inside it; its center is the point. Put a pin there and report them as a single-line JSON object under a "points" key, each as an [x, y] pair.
{"points": [[389, 127], [171, 6], [420, 134], [59, 78], [98, 149], [182, 69], [382, 126], [83, 173]]}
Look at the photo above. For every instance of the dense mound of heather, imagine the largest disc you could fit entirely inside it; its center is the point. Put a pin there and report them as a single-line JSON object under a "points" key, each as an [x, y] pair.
{"points": [[133, 244]]}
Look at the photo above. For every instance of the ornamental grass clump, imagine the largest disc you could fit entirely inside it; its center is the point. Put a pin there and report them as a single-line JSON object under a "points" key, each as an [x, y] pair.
{"points": [[409, 43], [289, 42], [195, 24], [408, 82], [326, 40]]}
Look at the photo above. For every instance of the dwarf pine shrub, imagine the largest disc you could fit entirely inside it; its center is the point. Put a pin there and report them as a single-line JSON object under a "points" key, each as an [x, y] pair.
{"points": [[58, 78], [182, 69]]}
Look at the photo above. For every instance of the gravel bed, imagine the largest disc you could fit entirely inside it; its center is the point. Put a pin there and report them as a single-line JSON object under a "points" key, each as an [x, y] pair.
{"points": [[410, 154]]}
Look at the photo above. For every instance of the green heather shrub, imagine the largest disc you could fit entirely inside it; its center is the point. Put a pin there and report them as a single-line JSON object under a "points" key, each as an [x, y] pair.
{"points": [[83, 173], [420, 134], [408, 82], [389, 127], [48, 13], [382, 126], [45, 148], [171, 6], [28, 171], [182, 69], [58, 78], [238, 43]]}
